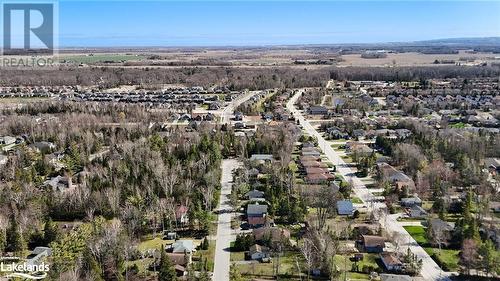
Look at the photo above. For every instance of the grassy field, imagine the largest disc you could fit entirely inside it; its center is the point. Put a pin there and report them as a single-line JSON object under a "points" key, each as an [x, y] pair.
{"points": [[418, 233], [288, 268], [446, 258], [98, 58], [153, 244], [22, 99], [344, 264], [237, 256]]}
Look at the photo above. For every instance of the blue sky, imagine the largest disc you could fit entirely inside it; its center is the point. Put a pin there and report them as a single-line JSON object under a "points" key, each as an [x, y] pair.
{"points": [[236, 23]]}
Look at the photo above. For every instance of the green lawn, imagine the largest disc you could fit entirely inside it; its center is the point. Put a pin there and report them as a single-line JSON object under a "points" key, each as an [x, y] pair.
{"points": [[418, 233], [346, 159], [288, 267], [447, 258], [337, 146], [237, 256], [345, 264], [459, 125], [153, 244], [142, 264], [356, 200], [209, 254]]}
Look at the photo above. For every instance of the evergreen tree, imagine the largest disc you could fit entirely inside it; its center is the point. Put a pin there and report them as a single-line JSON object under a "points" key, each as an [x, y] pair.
{"points": [[3, 242], [489, 257], [51, 232], [13, 236], [167, 270], [91, 266], [235, 274]]}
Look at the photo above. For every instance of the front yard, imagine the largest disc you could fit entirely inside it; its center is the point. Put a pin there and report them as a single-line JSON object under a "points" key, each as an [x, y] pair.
{"points": [[446, 258]]}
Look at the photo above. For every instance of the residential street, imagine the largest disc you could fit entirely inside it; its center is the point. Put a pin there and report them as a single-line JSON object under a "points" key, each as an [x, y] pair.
{"points": [[430, 270], [224, 232], [228, 112]]}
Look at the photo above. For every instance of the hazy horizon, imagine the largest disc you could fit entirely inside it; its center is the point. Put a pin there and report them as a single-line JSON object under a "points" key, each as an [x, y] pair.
{"points": [[276, 23]]}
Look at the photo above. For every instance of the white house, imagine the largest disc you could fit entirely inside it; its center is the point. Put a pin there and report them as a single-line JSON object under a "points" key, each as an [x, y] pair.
{"points": [[258, 252], [183, 246]]}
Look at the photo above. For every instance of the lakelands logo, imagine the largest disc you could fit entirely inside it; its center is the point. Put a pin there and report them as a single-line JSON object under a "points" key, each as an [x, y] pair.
{"points": [[12, 267], [28, 33]]}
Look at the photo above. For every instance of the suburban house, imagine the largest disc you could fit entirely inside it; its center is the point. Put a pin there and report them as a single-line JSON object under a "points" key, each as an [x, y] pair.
{"points": [[238, 116], [258, 252], [262, 157], [180, 270], [313, 164], [317, 110], [3, 159], [309, 158], [179, 258], [310, 151], [256, 210], [214, 106], [7, 140], [239, 125], [442, 229], [43, 146], [395, 177], [181, 214], [363, 150], [254, 194], [411, 201], [335, 133], [274, 234], [319, 178], [345, 208], [391, 261], [417, 212], [183, 246], [493, 165], [316, 170], [185, 117], [38, 255], [256, 222], [370, 244], [59, 183]]}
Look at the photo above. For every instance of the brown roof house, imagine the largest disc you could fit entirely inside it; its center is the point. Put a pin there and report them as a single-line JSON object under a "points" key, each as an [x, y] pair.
{"points": [[273, 234], [397, 178], [181, 214], [391, 261], [370, 244]]}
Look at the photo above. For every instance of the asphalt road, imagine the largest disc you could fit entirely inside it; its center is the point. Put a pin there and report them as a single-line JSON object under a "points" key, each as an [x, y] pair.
{"points": [[224, 232], [228, 111], [430, 270]]}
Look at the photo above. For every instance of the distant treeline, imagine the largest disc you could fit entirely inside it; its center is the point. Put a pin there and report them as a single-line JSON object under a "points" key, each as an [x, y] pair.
{"points": [[412, 73], [235, 78]]}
